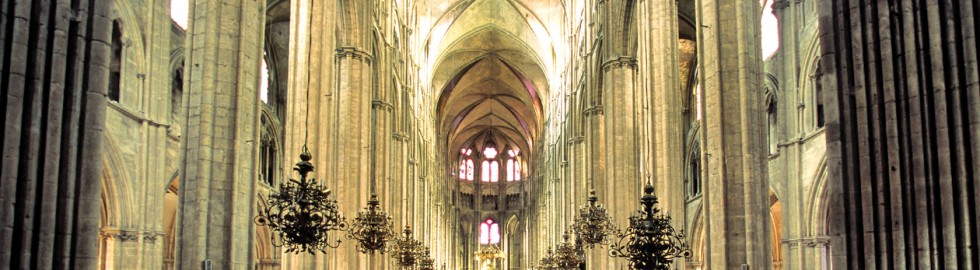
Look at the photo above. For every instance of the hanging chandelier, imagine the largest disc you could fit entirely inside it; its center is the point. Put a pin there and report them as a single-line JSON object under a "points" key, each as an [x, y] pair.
{"points": [[568, 255], [488, 252], [650, 243], [593, 224], [302, 214], [372, 228], [548, 261], [426, 262], [406, 249]]}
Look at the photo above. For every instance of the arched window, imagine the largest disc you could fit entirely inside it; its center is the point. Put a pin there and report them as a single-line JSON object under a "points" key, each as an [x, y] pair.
{"points": [[510, 170], [177, 93], [696, 99], [490, 167], [694, 171], [490, 171], [771, 92], [466, 164], [268, 149], [264, 82], [773, 140], [513, 166], [115, 64], [813, 102], [489, 232], [818, 95]]}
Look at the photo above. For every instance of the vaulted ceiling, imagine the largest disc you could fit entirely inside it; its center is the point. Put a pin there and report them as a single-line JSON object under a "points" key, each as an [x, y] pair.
{"points": [[492, 60]]}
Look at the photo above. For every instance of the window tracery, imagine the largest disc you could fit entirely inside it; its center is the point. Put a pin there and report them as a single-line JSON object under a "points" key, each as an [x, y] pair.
{"points": [[489, 232], [513, 166], [115, 65], [490, 167], [466, 165]]}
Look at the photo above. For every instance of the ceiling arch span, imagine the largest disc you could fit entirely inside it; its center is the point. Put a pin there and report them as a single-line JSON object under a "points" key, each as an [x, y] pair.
{"points": [[489, 96], [519, 19], [490, 41]]}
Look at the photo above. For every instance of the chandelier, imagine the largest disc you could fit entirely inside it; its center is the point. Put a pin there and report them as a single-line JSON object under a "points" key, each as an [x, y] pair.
{"points": [[302, 214], [406, 249], [568, 255], [426, 262], [372, 228], [548, 261], [650, 242], [592, 225], [488, 252]]}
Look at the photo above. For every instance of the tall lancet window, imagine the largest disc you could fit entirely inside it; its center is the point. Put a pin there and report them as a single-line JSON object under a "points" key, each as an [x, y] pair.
{"points": [[264, 81], [489, 232], [513, 166], [490, 166], [466, 164], [115, 63]]}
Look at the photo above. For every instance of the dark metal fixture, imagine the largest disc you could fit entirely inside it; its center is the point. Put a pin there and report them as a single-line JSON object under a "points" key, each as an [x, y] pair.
{"points": [[650, 243], [302, 214], [372, 228]]}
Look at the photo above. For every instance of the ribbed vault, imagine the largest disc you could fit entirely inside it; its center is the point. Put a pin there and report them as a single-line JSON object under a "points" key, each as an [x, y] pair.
{"points": [[492, 59]]}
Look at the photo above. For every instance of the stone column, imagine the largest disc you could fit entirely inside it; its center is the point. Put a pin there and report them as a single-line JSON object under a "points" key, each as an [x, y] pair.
{"points": [[661, 105], [55, 56], [614, 137], [312, 110], [221, 139], [787, 177], [737, 189], [903, 133], [156, 175]]}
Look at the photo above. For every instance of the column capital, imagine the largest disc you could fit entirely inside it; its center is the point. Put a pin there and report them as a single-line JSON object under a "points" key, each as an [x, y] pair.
{"points": [[353, 53], [780, 4], [594, 110], [119, 234], [619, 62]]}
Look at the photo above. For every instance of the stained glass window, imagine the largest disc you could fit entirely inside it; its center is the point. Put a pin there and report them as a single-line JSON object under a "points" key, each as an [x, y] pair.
{"points": [[490, 171], [513, 167], [489, 232], [466, 165]]}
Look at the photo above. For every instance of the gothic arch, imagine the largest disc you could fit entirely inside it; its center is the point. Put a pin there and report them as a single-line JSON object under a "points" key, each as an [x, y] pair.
{"points": [[458, 47], [772, 113], [351, 28], [177, 76], [771, 88], [809, 86], [132, 33], [819, 205], [453, 25], [696, 238], [512, 224], [267, 255], [116, 192], [171, 200], [693, 173], [270, 148], [110, 201], [132, 58], [776, 229]]}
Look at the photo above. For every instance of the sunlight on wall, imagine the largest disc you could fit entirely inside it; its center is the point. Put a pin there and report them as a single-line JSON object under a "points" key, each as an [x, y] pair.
{"points": [[179, 11]]}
